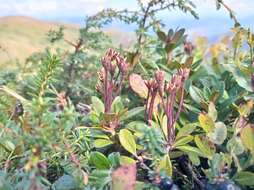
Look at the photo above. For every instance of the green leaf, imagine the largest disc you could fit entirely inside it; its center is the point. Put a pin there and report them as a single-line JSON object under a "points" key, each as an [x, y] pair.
{"points": [[244, 178], [212, 112], [127, 141], [206, 122], [247, 137], [186, 130], [133, 112], [97, 105], [66, 182], [99, 160], [114, 159], [239, 76], [100, 178], [117, 105], [125, 160], [194, 159], [183, 141], [99, 143], [190, 149], [204, 146], [162, 36], [219, 134], [196, 94], [235, 146], [166, 165]]}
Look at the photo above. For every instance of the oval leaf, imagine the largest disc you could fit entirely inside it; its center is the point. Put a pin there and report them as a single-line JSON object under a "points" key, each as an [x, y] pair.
{"points": [[166, 165], [127, 141], [99, 160], [245, 178], [219, 134], [206, 122], [99, 143], [204, 146], [97, 105], [138, 85], [247, 137]]}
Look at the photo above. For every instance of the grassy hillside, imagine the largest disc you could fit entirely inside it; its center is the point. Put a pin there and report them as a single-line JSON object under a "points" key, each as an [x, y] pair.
{"points": [[22, 36]]}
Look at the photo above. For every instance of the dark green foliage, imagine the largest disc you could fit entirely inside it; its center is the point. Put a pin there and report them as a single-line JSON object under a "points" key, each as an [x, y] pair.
{"points": [[167, 117]]}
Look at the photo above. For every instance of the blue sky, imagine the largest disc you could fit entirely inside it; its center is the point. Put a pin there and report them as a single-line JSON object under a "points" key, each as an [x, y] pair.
{"points": [[212, 23]]}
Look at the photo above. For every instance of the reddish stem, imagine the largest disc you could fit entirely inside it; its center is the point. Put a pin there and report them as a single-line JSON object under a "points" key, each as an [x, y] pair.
{"points": [[180, 105], [150, 112], [106, 91]]}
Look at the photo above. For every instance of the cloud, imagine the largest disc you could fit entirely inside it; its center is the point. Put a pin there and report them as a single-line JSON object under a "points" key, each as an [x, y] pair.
{"points": [[76, 10], [50, 7]]}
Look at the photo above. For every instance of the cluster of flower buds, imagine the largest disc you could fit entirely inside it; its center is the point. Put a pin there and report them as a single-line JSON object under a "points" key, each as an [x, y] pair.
{"points": [[160, 77], [113, 59], [252, 78], [188, 48], [153, 87], [177, 80], [111, 77], [167, 93]]}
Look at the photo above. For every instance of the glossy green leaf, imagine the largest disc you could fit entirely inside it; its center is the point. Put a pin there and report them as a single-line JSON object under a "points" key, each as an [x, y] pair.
{"points": [[194, 159], [247, 137], [99, 143], [204, 146], [196, 94], [165, 165], [183, 141], [127, 141], [245, 178], [235, 146], [97, 105], [186, 130], [114, 159], [239, 76], [125, 160], [219, 134], [117, 105], [99, 160], [206, 122], [190, 149]]}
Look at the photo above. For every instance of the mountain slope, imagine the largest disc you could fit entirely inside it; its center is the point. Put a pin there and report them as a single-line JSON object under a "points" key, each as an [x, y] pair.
{"points": [[22, 36]]}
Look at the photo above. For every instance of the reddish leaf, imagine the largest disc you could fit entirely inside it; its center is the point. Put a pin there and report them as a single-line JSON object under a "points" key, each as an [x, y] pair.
{"points": [[124, 178], [138, 85]]}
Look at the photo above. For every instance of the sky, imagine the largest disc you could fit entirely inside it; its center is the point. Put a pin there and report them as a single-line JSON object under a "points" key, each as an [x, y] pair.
{"points": [[212, 23]]}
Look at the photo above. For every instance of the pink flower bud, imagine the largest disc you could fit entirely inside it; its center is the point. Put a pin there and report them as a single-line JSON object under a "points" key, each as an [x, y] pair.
{"points": [[188, 47], [159, 76]]}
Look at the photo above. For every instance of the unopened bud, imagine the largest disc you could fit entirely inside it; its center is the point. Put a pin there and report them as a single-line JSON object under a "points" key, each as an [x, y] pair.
{"points": [[184, 73], [159, 76], [188, 48]]}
